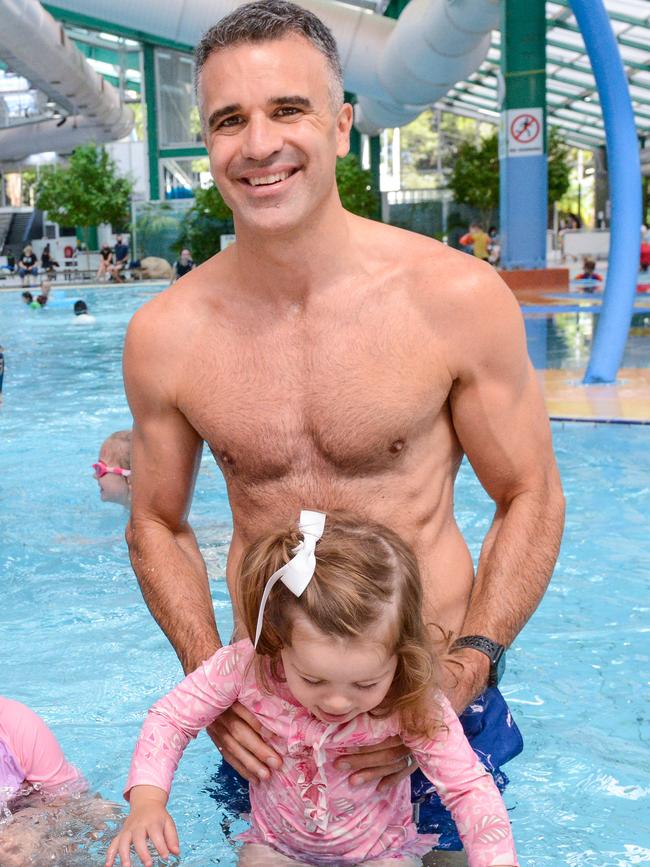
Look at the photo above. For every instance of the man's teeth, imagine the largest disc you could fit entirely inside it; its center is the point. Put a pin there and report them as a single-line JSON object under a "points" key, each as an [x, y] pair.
{"points": [[269, 179]]}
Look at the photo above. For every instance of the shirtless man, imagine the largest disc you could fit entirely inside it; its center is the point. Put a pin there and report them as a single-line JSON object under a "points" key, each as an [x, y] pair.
{"points": [[330, 362]]}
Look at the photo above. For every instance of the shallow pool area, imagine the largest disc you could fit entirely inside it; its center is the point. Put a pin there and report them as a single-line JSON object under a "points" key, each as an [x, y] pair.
{"points": [[80, 647]]}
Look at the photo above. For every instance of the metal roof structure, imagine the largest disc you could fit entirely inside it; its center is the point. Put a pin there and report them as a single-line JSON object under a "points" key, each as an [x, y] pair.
{"points": [[572, 98]]}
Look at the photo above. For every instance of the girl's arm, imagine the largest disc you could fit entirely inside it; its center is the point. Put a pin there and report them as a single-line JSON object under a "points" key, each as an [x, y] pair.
{"points": [[178, 717], [467, 790]]}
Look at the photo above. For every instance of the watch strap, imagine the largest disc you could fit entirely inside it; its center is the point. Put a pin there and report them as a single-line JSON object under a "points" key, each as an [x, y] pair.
{"points": [[492, 649]]}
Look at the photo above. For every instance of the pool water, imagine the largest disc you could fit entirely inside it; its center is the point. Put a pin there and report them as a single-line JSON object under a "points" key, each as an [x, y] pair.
{"points": [[79, 646]]}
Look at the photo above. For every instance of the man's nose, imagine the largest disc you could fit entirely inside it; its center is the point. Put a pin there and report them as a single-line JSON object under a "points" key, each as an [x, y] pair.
{"points": [[261, 139]]}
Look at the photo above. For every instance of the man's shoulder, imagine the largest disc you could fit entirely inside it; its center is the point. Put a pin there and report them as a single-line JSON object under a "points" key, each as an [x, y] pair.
{"points": [[182, 305], [431, 269]]}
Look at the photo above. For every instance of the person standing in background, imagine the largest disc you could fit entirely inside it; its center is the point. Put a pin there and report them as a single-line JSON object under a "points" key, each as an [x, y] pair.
{"points": [[478, 240]]}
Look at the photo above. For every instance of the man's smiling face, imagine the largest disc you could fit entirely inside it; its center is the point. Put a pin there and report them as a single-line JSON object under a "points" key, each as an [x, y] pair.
{"points": [[272, 131]]}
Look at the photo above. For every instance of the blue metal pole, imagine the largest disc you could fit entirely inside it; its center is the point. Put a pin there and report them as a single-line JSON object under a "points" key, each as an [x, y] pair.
{"points": [[624, 190]]}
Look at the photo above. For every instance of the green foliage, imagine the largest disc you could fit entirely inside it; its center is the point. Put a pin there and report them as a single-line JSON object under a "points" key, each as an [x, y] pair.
{"points": [[28, 187], [356, 188], [475, 177], [86, 192], [559, 168], [207, 219]]}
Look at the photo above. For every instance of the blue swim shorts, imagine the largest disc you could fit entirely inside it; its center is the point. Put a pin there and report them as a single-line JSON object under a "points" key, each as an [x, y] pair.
{"points": [[491, 731], [495, 739]]}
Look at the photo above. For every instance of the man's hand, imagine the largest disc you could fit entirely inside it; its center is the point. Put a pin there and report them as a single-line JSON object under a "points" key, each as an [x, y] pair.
{"points": [[389, 762], [464, 676], [238, 735]]}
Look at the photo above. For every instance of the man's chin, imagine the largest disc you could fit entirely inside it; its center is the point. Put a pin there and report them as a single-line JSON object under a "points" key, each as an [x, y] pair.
{"points": [[269, 223]]}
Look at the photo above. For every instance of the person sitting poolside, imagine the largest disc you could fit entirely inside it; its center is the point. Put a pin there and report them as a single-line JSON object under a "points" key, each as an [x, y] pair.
{"points": [[82, 316], [48, 264], [113, 468], [27, 267], [121, 254], [105, 261], [184, 264]]}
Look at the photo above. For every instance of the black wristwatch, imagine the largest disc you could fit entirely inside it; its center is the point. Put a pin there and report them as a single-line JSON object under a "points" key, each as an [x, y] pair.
{"points": [[496, 653]]}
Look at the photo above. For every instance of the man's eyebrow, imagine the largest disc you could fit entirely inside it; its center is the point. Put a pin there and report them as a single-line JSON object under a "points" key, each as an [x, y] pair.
{"points": [[218, 113], [294, 100]]}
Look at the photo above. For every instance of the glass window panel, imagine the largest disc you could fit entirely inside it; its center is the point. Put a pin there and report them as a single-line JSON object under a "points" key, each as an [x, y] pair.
{"points": [[183, 175], [178, 116]]}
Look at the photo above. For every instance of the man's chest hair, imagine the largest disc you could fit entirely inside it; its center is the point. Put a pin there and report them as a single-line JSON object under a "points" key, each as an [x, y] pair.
{"points": [[357, 408]]}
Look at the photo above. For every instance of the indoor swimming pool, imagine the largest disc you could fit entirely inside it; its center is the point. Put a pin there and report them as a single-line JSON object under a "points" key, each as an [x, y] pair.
{"points": [[80, 647]]}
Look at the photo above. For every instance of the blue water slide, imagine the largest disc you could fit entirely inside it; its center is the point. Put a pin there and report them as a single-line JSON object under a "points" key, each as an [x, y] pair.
{"points": [[624, 190]]}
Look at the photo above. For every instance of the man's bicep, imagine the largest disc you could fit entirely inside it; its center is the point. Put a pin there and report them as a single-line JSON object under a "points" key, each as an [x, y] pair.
{"points": [[165, 449], [498, 411]]}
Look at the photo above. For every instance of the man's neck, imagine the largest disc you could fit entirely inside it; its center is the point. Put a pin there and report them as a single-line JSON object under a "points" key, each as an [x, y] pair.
{"points": [[289, 267]]}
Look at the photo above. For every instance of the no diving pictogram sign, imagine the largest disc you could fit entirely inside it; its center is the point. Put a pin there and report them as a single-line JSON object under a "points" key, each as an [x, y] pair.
{"points": [[525, 131], [525, 128]]}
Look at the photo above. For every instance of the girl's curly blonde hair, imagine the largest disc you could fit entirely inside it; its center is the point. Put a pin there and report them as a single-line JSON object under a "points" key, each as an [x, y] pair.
{"points": [[364, 572]]}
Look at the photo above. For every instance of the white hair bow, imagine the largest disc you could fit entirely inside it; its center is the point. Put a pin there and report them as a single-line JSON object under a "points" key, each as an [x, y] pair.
{"points": [[298, 572]]}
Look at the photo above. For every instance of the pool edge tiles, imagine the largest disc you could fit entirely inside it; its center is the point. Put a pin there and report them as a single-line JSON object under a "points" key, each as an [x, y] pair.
{"points": [[625, 401]]}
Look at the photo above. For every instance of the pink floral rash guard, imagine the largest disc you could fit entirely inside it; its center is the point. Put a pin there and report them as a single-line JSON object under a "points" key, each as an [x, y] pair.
{"points": [[307, 810]]}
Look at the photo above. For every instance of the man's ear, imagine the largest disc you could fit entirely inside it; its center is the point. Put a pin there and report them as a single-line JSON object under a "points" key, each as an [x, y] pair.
{"points": [[344, 120]]}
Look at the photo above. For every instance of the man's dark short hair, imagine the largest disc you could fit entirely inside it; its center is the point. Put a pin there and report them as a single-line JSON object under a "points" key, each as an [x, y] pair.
{"points": [[266, 20]]}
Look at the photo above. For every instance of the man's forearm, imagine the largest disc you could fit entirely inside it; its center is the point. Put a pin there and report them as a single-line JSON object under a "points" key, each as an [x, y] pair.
{"points": [[174, 582], [515, 567]]}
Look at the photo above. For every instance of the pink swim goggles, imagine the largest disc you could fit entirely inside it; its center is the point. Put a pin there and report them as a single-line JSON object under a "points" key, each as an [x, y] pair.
{"points": [[101, 469]]}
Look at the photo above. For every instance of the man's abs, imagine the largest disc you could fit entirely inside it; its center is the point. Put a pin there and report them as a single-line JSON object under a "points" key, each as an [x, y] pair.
{"points": [[444, 559]]}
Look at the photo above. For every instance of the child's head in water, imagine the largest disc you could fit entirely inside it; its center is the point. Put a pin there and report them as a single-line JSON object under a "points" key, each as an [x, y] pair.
{"points": [[114, 455], [354, 641]]}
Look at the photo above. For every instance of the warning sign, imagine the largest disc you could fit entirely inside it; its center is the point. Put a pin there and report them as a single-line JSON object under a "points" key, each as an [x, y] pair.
{"points": [[525, 132]]}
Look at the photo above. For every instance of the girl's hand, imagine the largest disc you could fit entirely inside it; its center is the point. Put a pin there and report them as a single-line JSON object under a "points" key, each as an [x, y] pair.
{"points": [[148, 819]]}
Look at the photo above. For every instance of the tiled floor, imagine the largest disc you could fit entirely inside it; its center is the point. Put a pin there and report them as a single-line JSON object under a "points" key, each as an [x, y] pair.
{"points": [[626, 400]]}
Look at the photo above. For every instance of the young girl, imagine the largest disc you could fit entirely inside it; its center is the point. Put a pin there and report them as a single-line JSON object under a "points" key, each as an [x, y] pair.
{"points": [[338, 657], [42, 796]]}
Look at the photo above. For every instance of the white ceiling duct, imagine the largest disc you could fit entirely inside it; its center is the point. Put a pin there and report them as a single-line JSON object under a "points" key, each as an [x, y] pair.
{"points": [[434, 44], [396, 68], [35, 46]]}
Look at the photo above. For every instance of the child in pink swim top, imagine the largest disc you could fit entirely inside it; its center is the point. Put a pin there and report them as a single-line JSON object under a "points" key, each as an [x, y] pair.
{"points": [[36, 785], [30, 754], [338, 656]]}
